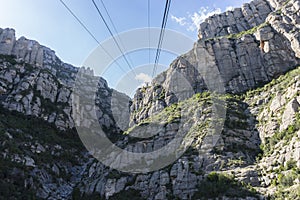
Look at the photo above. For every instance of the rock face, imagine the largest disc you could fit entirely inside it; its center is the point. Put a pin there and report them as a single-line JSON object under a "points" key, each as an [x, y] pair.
{"points": [[286, 22], [25, 50], [241, 55], [239, 60], [37, 83], [232, 22], [278, 102]]}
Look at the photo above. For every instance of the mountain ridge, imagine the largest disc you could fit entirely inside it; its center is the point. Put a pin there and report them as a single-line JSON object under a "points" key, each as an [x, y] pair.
{"points": [[257, 152]]}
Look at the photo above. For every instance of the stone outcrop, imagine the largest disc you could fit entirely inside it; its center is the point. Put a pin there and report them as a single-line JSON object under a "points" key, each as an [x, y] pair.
{"points": [[25, 50], [237, 60], [34, 81], [237, 52], [240, 19], [286, 21], [278, 102]]}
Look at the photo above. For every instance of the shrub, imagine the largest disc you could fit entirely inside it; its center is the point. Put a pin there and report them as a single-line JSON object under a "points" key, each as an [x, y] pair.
{"points": [[129, 194], [9, 58], [217, 185], [291, 164], [288, 179], [76, 194]]}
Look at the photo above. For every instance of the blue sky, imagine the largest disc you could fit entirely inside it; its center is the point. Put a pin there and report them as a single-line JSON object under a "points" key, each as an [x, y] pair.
{"points": [[48, 22]]}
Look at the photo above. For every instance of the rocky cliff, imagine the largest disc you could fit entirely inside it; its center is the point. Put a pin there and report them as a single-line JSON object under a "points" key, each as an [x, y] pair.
{"points": [[34, 81], [241, 75], [242, 58]]}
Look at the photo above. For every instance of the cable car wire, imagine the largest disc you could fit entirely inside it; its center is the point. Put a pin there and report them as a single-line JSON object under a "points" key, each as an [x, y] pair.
{"points": [[90, 33], [149, 34], [115, 29], [161, 36], [116, 42]]}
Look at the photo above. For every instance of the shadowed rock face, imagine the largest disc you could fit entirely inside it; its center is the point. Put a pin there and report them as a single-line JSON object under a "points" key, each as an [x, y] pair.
{"points": [[237, 51]]}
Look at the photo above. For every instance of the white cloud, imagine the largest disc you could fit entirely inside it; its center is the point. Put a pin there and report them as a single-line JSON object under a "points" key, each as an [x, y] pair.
{"points": [[193, 21], [180, 20], [198, 17], [145, 78], [229, 8]]}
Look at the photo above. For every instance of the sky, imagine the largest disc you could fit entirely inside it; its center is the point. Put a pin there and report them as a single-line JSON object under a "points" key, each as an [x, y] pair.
{"points": [[49, 23]]}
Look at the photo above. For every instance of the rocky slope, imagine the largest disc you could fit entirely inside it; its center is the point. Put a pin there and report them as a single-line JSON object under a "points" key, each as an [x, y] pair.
{"points": [[244, 61], [34, 81], [238, 59]]}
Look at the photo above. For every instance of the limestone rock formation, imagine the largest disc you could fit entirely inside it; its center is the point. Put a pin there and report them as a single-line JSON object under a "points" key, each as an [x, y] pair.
{"points": [[241, 78], [232, 22], [239, 60], [34, 81]]}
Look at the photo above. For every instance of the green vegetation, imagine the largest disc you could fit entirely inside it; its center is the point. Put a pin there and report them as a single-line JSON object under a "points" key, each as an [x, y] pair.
{"points": [[8, 58], [287, 174], [129, 194], [236, 117], [285, 3], [114, 174], [287, 179], [50, 107], [247, 32], [279, 84], [143, 89], [76, 195], [236, 162], [290, 193], [242, 33], [173, 113], [282, 82], [12, 181], [35, 129], [217, 185], [291, 164], [285, 135], [285, 182], [26, 131]]}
